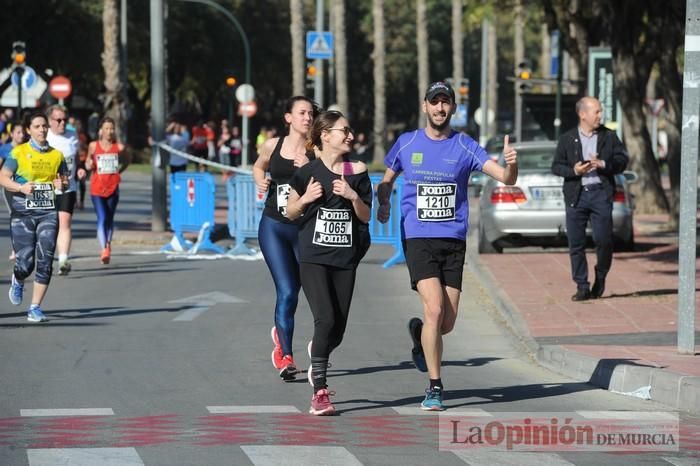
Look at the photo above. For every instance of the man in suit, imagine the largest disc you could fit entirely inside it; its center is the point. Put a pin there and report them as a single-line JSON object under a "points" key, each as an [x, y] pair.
{"points": [[588, 157]]}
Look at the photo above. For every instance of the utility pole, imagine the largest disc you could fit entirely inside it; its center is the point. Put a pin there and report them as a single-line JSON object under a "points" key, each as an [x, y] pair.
{"points": [[484, 129], [124, 71], [158, 163], [519, 48], [318, 84], [687, 230]]}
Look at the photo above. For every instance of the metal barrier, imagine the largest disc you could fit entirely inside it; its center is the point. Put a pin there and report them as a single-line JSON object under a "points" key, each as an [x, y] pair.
{"points": [[192, 205], [244, 211], [389, 232]]}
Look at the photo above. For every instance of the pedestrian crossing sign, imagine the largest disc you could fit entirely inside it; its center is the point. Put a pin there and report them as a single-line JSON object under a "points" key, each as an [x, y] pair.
{"points": [[319, 44]]}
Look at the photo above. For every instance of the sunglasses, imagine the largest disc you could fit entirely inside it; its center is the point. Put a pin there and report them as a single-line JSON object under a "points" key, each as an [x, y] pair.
{"points": [[59, 120], [345, 129]]}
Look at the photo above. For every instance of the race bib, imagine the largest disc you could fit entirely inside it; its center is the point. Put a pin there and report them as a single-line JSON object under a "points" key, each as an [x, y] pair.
{"points": [[436, 202], [42, 197], [283, 191], [107, 164], [333, 228]]}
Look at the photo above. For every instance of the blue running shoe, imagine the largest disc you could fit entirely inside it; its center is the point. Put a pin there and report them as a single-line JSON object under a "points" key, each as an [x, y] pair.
{"points": [[415, 326], [16, 291], [35, 314], [433, 400]]}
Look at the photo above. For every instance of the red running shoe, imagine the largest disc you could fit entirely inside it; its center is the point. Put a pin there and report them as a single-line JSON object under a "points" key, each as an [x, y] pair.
{"points": [[289, 368], [277, 356], [105, 256], [321, 403]]}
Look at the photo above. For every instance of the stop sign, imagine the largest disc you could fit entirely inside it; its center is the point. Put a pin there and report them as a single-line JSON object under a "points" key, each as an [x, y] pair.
{"points": [[247, 109], [60, 87]]}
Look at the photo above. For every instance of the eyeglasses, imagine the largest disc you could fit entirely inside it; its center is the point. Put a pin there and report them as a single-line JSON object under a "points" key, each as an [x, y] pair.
{"points": [[346, 129], [59, 120]]}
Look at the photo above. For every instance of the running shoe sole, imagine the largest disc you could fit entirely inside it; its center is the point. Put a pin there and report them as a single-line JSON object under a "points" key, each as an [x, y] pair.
{"points": [[417, 352], [289, 373], [33, 318], [64, 269], [330, 411], [432, 408]]}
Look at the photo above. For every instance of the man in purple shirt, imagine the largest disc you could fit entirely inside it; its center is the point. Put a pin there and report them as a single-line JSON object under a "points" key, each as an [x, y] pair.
{"points": [[436, 163]]}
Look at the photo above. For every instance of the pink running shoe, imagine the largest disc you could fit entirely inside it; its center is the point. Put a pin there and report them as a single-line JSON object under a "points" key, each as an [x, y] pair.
{"points": [[289, 368], [277, 356], [321, 403]]}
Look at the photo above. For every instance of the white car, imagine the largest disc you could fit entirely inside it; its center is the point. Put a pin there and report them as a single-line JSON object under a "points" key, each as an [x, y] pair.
{"points": [[532, 212]]}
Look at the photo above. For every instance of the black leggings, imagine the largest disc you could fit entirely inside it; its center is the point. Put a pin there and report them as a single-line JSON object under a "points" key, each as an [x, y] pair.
{"points": [[329, 292]]}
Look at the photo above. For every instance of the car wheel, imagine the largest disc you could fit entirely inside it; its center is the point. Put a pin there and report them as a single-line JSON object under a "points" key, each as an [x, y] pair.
{"points": [[486, 247], [622, 245]]}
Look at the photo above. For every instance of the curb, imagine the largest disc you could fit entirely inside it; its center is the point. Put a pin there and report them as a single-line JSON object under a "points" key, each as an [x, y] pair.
{"points": [[622, 376]]}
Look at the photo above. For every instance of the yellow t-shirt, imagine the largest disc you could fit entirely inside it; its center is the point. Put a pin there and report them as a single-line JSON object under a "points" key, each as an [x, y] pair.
{"points": [[30, 164]]}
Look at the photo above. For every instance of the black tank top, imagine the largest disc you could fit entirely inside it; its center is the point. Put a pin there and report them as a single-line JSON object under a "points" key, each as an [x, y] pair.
{"points": [[281, 171]]}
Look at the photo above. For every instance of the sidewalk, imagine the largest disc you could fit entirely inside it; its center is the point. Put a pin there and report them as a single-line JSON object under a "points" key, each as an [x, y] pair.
{"points": [[624, 341]]}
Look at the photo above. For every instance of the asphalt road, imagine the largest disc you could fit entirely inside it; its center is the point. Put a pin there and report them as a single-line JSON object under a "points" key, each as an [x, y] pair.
{"points": [[158, 360]]}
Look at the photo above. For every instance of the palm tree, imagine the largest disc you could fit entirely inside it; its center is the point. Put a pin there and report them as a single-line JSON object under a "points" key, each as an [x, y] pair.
{"points": [[341, 60], [296, 30], [114, 105], [379, 57], [422, 46], [457, 43]]}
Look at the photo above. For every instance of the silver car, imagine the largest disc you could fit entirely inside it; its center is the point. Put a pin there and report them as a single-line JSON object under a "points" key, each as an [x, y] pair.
{"points": [[532, 212]]}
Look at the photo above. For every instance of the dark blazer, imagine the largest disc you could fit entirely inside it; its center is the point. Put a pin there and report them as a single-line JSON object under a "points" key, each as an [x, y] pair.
{"points": [[569, 152]]}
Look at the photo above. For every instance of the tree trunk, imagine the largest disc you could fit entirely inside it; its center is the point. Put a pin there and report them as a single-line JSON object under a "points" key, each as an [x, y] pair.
{"points": [[632, 43], [379, 72], [341, 60], [493, 77], [422, 47], [457, 43], [114, 104], [296, 30]]}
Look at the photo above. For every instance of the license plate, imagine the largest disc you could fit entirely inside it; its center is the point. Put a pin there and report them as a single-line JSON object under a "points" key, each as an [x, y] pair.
{"points": [[546, 193]]}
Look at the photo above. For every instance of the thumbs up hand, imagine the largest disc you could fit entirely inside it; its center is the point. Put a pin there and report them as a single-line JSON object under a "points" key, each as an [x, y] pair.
{"points": [[510, 155], [314, 190]]}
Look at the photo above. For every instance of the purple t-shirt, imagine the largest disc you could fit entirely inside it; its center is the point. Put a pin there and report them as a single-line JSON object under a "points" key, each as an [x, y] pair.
{"points": [[436, 174]]}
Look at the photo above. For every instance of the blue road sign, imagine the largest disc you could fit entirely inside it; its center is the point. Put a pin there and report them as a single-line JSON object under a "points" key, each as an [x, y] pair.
{"points": [[319, 45], [28, 78]]}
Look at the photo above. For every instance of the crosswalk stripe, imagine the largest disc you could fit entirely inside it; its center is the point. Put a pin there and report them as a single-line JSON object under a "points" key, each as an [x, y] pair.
{"points": [[630, 415], [67, 412], [262, 455], [84, 457], [683, 461], [416, 411], [487, 458], [251, 409]]}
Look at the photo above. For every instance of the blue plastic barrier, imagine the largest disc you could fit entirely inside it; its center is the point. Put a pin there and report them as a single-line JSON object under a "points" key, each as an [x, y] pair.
{"points": [[389, 232], [192, 205], [244, 211]]}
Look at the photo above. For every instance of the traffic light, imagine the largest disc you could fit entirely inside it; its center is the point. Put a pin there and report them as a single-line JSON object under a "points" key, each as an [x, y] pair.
{"points": [[231, 81], [463, 91], [311, 72], [19, 52], [523, 75]]}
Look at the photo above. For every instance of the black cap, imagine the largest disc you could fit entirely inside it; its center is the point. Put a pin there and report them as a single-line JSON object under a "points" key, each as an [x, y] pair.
{"points": [[439, 87]]}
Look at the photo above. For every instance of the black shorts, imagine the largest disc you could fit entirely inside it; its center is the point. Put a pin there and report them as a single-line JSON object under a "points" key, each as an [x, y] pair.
{"points": [[66, 202], [441, 258]]}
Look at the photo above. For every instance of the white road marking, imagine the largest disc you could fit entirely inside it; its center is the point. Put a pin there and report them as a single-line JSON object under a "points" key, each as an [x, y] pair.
{"points": [[251, 409], [84, 457], [683, 461], [263, 455], [416, 411], [191, 314], [630, 415], [67, 412], [487, 458]]}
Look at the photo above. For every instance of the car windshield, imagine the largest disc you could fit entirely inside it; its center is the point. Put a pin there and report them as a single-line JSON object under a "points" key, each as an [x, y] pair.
{"points": [[532, 158]]}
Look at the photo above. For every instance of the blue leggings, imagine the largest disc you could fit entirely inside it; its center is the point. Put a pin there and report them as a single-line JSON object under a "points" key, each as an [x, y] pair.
{"points": [[105, 207], [279, 244]]}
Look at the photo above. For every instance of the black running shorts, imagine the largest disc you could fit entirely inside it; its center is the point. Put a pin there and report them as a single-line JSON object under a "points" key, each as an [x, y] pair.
{"points": [[66, 202], [441, 258]]}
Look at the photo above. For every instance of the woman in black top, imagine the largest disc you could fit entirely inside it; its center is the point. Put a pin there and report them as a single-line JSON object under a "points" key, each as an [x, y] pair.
{"points": [[332, 198], [277, 235]]}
